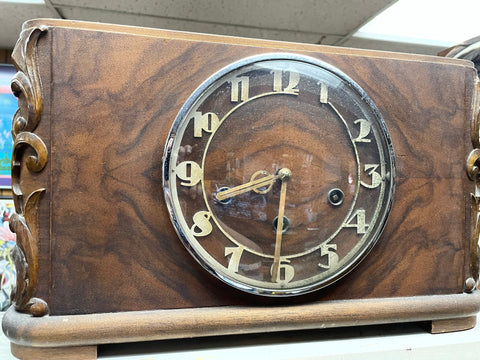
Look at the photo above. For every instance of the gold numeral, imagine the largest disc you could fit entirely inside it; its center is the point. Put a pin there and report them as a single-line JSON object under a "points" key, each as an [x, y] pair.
{"points": [[360, 225], [239, 90], [190, 172], [365, 128], [207, 122], [235, 254], [201, 223], [293, 80], [332, 257], [376, 177], [323, 92], [285, 273]]}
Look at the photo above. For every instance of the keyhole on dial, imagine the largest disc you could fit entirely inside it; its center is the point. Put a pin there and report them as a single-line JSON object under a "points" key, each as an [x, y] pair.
{"points": [[224, 201], [286, 224], [335, 197]]}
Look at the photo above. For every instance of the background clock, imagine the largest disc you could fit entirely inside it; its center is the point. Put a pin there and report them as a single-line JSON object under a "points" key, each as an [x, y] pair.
{"points": [[279, 174]]}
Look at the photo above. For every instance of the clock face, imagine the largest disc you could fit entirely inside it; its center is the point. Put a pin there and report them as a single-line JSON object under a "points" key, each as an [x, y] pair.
{"points": [[279, 174]]}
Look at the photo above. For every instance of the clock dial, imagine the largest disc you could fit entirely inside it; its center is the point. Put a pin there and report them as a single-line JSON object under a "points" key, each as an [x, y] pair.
{"points": [[279, 174]]}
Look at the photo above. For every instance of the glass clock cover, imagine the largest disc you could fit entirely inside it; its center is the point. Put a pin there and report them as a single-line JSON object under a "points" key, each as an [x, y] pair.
{"points": [[279, 174]]}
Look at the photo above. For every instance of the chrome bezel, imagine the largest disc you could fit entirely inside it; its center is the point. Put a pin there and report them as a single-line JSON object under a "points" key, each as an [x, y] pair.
{"points": [[181, 117]]}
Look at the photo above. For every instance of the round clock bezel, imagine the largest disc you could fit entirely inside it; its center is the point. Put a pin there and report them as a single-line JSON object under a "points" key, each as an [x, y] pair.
{"points": [[204, 259]]}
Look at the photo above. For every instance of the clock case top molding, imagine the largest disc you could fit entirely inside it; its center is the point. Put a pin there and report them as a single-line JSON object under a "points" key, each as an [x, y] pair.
{"points": [[95, 246]]}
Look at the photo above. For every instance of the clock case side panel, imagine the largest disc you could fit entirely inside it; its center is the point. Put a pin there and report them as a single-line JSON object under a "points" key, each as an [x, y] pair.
{"points": [[31, 171], [425, 247], [112, 245]]}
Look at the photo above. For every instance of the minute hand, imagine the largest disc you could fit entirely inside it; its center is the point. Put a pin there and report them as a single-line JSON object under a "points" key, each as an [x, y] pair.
{"points": [[251, 185], [284, 175]]}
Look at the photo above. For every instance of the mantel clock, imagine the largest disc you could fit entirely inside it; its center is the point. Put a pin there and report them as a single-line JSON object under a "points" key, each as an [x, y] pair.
{"points": [[171, 185]]}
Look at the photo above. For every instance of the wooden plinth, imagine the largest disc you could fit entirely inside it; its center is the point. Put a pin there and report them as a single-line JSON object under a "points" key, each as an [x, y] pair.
{"points": [[448, 325], [53, 337], [58, 353]]}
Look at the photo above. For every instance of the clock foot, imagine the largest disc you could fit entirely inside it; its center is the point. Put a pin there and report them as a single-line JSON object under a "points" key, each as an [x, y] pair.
{"points": [[57, 353], [450, 325]]}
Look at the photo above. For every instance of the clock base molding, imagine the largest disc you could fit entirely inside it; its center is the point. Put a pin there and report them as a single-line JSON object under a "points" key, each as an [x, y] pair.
{"points": [[77, 336]]}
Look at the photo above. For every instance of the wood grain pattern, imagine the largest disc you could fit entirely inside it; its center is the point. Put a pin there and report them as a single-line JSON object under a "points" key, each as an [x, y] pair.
{"points": [[106, 242]]}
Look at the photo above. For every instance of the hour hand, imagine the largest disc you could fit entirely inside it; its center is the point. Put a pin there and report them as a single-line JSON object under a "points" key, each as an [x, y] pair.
{"points": [[261, 182]]}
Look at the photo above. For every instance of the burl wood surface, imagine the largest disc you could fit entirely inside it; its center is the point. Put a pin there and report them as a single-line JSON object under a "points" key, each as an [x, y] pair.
{"points": [[106, 241]]}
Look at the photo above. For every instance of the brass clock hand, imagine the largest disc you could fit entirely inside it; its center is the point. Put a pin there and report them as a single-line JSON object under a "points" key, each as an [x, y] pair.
{"points": [[284, 175], [254, 184]]}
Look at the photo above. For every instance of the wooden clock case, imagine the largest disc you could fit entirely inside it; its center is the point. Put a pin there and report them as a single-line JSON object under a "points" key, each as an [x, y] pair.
{"points": [[98, 260]]}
